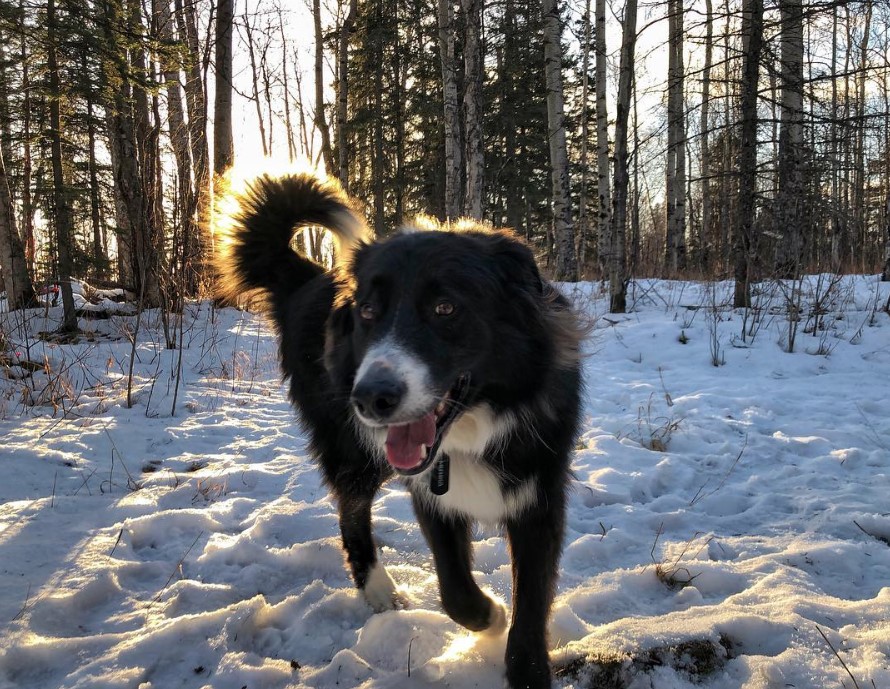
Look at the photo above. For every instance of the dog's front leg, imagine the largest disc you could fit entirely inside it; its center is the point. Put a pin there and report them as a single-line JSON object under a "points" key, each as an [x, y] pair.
{"points": [[535, 545], [450, 541], [369, 574]]}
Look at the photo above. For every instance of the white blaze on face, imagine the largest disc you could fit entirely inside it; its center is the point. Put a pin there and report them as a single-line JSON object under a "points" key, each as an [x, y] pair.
{"points": [[406, 367]]}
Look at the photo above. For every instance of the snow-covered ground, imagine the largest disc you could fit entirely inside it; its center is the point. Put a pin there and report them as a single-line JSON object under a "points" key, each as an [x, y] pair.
{"points": [[723, 518]]}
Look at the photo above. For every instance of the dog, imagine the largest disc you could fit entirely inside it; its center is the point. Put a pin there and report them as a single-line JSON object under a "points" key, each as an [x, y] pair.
{"points": [[438, 355]]}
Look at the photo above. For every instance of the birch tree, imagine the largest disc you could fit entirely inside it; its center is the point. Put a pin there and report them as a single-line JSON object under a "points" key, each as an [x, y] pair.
{"points": [[789, 209], [14, 267], [563, 231], [473, 72], [617, 254], [675, 176], [745, 239], [602, 140], [223, 146], [453, 139]]}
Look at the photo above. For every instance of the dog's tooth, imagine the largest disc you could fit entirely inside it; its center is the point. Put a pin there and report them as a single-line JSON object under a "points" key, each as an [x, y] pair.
{"points": [[423, 450], [441, 407]]}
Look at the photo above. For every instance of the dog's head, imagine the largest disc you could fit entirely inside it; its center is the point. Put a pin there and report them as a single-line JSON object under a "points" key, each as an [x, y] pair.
{"points": [[428, 324]]}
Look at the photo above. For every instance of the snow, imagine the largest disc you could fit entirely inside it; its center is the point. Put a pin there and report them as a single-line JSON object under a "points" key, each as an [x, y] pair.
{"points": [[721, 519]]}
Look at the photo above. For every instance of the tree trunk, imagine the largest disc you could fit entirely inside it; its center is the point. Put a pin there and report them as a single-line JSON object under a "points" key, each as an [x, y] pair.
{"points": [[100, 260], [789, 212], [62, 210], [585, 134], [291, 142], [196, 105], [566, 263], [223, 147], [255, 79], [453, 145], [190, 244], [147, 235], [343, 94], [675, 177], [617, 255], [27, 202], [604, 211], [17, 281], [473, 107], [745, 239], [705, 127], [321, 122]]}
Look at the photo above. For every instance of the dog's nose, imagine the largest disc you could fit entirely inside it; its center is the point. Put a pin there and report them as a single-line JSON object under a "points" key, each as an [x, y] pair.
{"points": [[377, 395]]}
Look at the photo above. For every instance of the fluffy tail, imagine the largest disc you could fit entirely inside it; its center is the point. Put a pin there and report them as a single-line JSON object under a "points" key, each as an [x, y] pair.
{"points": [[257, 225]]}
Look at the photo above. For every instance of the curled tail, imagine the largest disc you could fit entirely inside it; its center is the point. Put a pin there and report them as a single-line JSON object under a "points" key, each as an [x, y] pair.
{"points": [[257, 225]]}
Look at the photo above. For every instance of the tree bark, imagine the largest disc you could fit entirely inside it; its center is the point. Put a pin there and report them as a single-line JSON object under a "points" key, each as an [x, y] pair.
{"points": [[62, 209], [473, 71], [321, 121], [196, 106], [617, 254], [179, 139], [745, 239], [27, 201], [675, 177], [705, 128], [585, 134], [604, 211], [147, 236], [789, 211], [453, 143], [17, 281], [223, 147], [343, 94], [563, 231]]}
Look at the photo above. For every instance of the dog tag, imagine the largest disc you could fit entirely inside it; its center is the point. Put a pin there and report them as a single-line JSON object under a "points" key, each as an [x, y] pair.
{"points": [[439, 477]]}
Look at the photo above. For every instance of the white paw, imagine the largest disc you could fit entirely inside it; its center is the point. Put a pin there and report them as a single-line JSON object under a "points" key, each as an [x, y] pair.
{"points": [[380, 590]]}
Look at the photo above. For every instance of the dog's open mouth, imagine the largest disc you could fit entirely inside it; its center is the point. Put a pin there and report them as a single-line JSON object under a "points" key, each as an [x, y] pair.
{"points": [[412, 447]]}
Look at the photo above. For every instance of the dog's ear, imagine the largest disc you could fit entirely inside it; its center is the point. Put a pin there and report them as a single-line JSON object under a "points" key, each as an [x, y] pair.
{"points": [[517, 263]]}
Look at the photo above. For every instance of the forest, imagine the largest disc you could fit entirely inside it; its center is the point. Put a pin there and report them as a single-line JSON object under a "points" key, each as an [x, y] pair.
{"points": [[694, 139]]}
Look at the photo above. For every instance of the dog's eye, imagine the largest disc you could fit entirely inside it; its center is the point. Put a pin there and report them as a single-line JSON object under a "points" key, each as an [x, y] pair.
{"points": [[444, 308], [367, 312]]}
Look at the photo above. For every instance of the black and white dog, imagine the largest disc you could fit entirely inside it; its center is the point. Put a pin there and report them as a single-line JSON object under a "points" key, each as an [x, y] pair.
{"points": [[437, 355]]}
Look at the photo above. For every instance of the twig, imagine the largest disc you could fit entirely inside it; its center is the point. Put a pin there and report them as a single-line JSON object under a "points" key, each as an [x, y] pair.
{"points": [[178, 566], [838, 656], [25, 604], [119, 534], [409, 654], [52, 500], [698, 496]]}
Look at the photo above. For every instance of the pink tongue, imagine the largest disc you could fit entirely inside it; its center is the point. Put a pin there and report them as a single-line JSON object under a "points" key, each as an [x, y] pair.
{"points": [[404, 443]]}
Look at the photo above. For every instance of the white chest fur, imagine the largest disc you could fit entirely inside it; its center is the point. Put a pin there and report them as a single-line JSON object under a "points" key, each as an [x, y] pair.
{"points": [[475, 491]]}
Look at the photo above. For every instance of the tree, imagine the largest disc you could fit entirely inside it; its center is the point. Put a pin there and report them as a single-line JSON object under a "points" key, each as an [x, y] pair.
{"points": [[453, 139], [19, 289], [789, 208], [563, 231], [745, 239], [602, 140], [223, 146], [675, 176], [321, 121], [473, 107], [63, 223], [617, 253]]}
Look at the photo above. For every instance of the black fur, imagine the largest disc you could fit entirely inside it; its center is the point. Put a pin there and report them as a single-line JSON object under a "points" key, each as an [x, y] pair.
{"points": [[515, 337]]}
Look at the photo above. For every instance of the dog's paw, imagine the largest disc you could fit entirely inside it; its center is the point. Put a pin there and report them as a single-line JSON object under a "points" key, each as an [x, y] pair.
{"points": [[380, 591], [497, 621]]}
